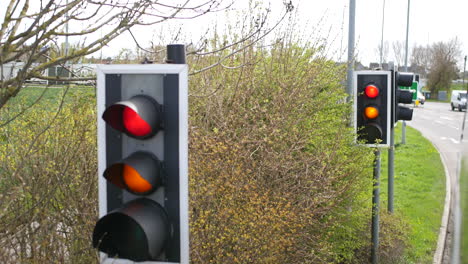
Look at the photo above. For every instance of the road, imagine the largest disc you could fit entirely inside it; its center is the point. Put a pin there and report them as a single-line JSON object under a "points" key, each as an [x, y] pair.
{"points": [[443, 127]]}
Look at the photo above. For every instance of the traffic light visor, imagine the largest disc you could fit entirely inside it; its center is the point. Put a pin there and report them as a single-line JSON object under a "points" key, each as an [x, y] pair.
{"points": [[371, 112], [139, 173], [371, 91], [137, 231], [138, 117]]}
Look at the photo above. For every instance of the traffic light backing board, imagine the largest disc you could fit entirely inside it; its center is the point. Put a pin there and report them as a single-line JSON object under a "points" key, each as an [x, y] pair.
{"points": [[167, 83], [381, 80]]}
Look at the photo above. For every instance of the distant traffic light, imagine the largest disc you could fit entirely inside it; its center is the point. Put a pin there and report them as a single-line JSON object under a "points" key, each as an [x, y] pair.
{"points": [[402, 96], [143, 163], [372, 106]]}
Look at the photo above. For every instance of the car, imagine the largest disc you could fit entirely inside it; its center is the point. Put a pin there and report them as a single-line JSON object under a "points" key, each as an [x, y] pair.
{"points": [[458, 100], [421, 98]]}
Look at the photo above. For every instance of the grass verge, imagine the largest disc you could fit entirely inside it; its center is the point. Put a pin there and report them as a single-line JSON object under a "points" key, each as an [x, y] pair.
{"points": [[464, 204], [419, 192]]}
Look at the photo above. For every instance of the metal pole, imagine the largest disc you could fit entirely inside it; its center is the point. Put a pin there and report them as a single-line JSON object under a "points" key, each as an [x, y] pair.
{"points": [[403, 128], [391, 169], [464, 115], [352, 13], [375, 209], [391, 149], [407, 33], [381, 40], [66, 31]]}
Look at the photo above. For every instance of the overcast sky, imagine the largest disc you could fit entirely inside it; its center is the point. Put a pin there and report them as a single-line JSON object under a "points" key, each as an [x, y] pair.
{"points": [[430, 21]]}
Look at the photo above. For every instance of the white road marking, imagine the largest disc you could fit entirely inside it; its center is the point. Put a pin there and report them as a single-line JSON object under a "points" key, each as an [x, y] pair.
{"points": [[446, 118], [451, 139]]}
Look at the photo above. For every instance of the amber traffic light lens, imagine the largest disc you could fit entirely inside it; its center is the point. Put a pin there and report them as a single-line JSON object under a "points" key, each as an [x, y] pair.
{"points": [[371, 91], [134, 181], [371, 112]]}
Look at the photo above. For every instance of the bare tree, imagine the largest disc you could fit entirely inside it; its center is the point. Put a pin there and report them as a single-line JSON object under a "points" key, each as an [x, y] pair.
{"points": [[382, 51], [399, 52], [420, 59], [31, 29], [443, 67]]}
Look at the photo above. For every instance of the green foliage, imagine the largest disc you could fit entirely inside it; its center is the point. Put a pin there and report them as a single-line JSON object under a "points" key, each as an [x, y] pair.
{"points": [[48, 188], [443, 64], [419, 193], [464, 204], [275, 176]]}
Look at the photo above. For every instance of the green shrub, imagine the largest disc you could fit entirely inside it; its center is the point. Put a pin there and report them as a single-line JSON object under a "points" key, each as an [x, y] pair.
{"points": [[48, 191], [275, 175]]}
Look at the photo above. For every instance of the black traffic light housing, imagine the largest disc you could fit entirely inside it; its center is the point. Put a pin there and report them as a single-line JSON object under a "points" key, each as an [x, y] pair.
{"points": [[401, 96], [372, 110], [143, 163]]}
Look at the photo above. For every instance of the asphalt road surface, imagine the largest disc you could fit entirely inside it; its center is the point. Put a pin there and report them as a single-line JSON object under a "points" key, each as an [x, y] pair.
{"points": [[443, 127]]}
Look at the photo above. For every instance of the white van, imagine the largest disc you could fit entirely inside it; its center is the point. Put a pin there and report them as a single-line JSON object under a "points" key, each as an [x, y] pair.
{"points": [[458, 100]]}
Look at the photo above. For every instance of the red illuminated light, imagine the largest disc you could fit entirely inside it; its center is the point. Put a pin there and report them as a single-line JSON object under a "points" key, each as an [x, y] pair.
{"points": [[134, 124], [371, 91]]}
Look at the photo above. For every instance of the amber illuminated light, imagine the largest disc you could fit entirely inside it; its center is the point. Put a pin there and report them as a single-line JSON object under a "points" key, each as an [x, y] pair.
{"points": [[371, 91], [371, 112], [134, 181]]}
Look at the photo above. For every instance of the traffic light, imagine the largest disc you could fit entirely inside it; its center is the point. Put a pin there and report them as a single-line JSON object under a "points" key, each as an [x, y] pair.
{"points": [[143, 163], [402, 96], [372, 107]]}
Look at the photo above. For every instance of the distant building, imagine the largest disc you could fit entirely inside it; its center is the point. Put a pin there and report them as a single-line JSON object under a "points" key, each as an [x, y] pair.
{"points": [[11, 70], [386, 66]]}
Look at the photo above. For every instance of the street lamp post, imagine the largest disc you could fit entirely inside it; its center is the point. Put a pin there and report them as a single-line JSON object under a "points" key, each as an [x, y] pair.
{"points": [[403, 128]]}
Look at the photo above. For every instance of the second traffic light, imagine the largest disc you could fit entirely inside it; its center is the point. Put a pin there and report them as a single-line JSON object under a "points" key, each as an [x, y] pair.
{"points": [[372, 107], [402, 96]]}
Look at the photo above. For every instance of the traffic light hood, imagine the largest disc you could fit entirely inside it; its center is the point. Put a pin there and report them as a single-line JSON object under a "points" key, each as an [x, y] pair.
{"points": [[136, 231]]}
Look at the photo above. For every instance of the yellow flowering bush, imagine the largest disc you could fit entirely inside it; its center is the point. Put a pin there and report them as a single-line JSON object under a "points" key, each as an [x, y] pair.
{"points": [[48, 193], [275, 176]]}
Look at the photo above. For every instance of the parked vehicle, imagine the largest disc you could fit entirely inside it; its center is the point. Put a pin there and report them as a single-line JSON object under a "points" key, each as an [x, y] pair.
{"points": [[458, 100], [421, 98]]}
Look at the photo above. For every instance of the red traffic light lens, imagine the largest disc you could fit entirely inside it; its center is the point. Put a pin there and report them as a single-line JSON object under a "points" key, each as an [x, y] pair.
{"points": [[134, 181], [139, 117], [371, 91], [371, 112], [134, 124]]}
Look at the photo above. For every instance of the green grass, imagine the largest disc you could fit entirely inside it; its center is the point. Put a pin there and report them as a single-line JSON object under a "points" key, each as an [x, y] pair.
{"points": [[33, 97], [464, 205], [419, 192]]}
